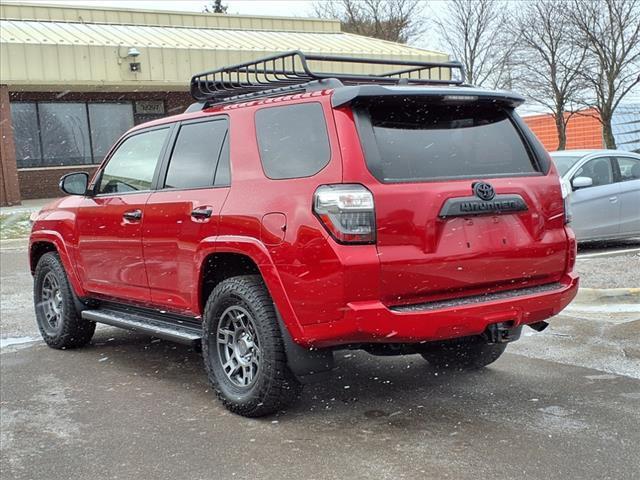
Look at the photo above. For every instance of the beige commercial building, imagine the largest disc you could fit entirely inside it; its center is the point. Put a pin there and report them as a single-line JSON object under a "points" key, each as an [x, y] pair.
{"points": [[72, 80]]}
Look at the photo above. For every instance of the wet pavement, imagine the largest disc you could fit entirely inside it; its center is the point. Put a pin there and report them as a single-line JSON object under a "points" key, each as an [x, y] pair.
{"points": [[561, 404], [128, 408]]}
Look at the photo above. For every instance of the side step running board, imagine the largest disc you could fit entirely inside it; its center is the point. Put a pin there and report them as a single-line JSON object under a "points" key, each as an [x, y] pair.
{"points": [[168, 329]]}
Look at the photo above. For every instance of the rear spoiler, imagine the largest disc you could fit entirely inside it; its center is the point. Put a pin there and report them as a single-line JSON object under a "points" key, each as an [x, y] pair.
{"points": [[349, 94]]}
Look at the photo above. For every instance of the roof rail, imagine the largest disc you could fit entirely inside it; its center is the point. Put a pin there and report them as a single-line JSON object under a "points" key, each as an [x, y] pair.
{"points": [[290, 72]]}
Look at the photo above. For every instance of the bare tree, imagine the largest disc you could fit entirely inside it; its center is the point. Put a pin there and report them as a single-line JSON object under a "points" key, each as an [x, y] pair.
{"points": [[393, 20], [215, 6], [473, 31], [549, 66], [610, 32]]}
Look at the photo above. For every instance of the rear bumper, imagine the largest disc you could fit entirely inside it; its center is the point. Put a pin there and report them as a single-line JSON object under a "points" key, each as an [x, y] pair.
{"points": [[372, 321]]}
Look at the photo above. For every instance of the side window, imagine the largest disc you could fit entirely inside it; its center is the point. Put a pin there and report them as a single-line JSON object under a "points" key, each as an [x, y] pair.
{"points": [[133, 164], [629, 168], [293, 140], [195, 154], [598, 169]]}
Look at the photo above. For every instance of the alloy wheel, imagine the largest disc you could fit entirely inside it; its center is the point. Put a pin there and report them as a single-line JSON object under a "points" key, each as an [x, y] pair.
{"points": [[238, 346], [51, 302]]}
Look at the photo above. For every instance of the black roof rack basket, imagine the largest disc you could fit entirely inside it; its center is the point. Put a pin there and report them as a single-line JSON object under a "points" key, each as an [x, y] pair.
{"points": [[291, 72]]}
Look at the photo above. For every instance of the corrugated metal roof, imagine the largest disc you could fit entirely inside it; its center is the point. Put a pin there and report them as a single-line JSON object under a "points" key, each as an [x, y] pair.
{"points": [[126, 16], [67, 33], [41, 53]]}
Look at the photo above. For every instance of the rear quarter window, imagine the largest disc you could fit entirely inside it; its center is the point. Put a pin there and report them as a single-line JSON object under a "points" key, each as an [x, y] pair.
{"points": [[293, 140], [408, 140]]}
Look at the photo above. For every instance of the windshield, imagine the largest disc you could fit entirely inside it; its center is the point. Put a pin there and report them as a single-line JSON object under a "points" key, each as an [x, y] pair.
{"points": [[416, 139], [564, 162]]}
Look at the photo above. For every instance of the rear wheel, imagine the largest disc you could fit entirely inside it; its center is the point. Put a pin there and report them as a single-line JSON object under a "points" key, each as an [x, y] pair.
{"points": [[466, 353], [58, 320], [243, 350]]}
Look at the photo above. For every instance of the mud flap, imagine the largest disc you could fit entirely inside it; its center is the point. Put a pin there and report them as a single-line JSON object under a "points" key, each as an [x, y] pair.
{"points": [[308, 365]]}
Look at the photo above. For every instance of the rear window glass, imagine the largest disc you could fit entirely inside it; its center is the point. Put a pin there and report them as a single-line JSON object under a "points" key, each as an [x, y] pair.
{"points": [[410, 140], [293, 140]]}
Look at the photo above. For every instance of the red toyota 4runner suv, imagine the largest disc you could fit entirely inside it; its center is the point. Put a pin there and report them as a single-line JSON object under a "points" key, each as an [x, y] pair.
{"points": [[289, 213]]}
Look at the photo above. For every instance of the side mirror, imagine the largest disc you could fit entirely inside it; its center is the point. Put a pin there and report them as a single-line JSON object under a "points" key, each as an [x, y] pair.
{"points": [[74, 183], [581, 182]]}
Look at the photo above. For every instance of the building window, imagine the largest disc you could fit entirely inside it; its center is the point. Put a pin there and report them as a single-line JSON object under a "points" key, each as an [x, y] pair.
{"points": [[26, 134], [108, 121], [64, 131], [48, 134]]}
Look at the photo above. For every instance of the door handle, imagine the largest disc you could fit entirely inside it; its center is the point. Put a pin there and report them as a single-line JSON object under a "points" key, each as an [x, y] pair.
{"points": [[202, 213], [133, 215], [613, 199]]}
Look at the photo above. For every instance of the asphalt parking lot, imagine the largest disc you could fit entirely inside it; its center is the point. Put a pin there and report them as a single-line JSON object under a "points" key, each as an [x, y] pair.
{"points": [[564, 403]]}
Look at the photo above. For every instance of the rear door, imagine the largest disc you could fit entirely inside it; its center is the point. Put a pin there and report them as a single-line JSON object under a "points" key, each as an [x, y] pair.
{"points": [[628, 176], [596, 209], [185, 209], [109, 224], [462, 204]]}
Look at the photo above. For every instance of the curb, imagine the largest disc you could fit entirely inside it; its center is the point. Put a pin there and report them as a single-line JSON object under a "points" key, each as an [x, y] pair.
{"points": [[20, 209], [14, 243], [607, 295], [17, 211]]}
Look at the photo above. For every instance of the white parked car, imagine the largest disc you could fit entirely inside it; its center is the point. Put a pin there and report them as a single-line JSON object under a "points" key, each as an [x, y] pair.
{"points": [[605, 192]]}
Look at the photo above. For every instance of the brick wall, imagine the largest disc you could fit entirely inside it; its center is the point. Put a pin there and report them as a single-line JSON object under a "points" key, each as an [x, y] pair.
{"points": [[43, 182], [9, 191], [583, 130]]}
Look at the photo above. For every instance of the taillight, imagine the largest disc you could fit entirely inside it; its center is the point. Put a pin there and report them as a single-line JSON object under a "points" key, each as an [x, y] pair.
{"points": [[573, 250], [566, 200], [346, 211]]}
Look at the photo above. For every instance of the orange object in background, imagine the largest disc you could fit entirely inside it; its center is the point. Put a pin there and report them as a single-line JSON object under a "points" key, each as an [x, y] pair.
{"points": [[584, 130]]}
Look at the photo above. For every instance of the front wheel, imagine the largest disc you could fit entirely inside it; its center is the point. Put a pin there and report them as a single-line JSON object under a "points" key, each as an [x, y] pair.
{"points": [[466, 353], [58, 320], [243, 350]]}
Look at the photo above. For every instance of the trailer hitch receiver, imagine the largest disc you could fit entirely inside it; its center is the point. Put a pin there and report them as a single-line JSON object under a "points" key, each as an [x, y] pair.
{"points": [[502, 332]]}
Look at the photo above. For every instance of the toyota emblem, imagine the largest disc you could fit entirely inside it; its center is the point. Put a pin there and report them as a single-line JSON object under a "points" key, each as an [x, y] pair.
{"points": [[483, 191]]}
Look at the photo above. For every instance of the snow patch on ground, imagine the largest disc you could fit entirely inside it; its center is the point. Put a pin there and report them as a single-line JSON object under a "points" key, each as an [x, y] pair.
{"points": [[614, 308], [612, 347], [12, 341]]}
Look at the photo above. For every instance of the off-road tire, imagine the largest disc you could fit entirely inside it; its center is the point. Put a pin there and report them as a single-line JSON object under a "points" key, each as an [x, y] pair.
{"points": [[71, 331], [273, 387], [468, 353]]}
